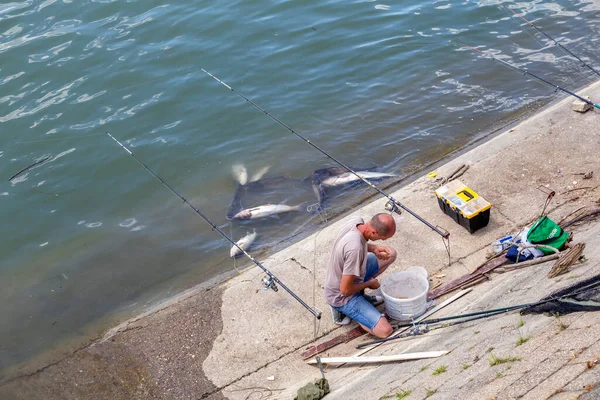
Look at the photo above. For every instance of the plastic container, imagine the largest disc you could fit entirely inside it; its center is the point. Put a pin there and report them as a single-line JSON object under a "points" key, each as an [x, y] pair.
{"points": [[405, 293], [502, 244], [464, 205]]}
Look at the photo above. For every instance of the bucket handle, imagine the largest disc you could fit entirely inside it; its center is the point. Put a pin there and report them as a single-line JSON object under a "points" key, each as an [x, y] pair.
{"points": [[419, 270]]}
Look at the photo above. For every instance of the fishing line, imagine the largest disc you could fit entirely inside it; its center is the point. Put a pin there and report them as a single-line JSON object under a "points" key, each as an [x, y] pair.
{"points": [[525, 72], [59, 138], [269, 281], [583, 63], [391, 205], [574, 70]]}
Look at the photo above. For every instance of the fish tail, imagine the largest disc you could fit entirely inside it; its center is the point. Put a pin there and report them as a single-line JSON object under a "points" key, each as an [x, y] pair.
{"points": [[240, 174], [259, 174]]}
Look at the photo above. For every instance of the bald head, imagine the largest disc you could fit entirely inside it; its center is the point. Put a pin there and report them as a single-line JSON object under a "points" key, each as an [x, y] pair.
{"points": [[384, 225]]}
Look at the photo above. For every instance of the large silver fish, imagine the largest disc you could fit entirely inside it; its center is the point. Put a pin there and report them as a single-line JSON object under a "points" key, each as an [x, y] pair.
{"points": [[245, 242], [267, 210], [348, 177]]}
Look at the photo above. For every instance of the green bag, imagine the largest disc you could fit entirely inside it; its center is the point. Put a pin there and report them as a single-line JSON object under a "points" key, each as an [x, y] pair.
{"points": [[313, 391], [547, 232]]}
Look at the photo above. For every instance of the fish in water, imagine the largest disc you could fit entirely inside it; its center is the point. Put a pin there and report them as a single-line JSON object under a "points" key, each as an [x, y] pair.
{"points": [[267, 210], [348, 177], [245, 242]]}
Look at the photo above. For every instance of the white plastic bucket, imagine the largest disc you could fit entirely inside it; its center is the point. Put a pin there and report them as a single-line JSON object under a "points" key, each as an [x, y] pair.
{"points": [[405, 293]]}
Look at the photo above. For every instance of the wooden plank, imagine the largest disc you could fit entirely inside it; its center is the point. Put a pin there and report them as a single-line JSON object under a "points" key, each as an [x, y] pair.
{"points": [[343, 338], [457, 283], [380, 359]]}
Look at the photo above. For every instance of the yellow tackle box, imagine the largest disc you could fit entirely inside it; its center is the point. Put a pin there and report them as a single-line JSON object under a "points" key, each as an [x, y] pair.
{"points": [[464, 205]]}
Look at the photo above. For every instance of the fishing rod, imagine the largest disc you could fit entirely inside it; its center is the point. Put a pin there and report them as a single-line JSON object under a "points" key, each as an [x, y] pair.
{"points": [[422, 328], [514, 67], [269, 281], [583, 63], [392, 205]]}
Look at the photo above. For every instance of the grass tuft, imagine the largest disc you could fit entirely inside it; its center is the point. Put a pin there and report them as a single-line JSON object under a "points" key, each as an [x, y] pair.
{"points": [[403, 393], [440, 370], [561, 325], [493, 360], [399, 395], [429, 392], [522, 340]]}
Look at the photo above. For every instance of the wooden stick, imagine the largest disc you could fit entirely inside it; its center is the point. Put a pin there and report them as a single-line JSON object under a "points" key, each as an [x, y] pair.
{"points": [[457, 283], [581, 188], [568, 215], [567, 258], [343, 338], [535, 261], [589, 214], [381, 359]]}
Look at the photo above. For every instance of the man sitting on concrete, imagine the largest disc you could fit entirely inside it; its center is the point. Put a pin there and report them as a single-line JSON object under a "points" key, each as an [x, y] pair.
{"points": [[353, 267]]}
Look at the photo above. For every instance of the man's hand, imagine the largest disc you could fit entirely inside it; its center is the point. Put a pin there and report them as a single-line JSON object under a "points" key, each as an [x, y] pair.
{"points": [[373, 283], [381, 253]]}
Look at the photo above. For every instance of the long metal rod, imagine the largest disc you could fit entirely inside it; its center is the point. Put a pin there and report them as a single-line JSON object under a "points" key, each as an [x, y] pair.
{"points": [[583, 63], [504, 309], [316, 313], [514, 67], [390, 198], [477, 315], [410, 333]]}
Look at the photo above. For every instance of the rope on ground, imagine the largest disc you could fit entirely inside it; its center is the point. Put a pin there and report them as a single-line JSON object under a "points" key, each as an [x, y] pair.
{"points": [[567, 258], [457, 173]]}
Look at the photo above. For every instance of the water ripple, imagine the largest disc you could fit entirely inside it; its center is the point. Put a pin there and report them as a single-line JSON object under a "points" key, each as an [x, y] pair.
{"points": [[50, 53]]}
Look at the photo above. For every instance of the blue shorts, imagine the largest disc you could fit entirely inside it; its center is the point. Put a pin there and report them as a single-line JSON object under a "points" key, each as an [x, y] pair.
{"points": [[360, 309]]}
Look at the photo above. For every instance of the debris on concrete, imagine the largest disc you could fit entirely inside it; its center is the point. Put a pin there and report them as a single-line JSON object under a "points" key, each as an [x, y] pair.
{"points": [[566, 259], [581, 106], [473, 278], [313, 391]]}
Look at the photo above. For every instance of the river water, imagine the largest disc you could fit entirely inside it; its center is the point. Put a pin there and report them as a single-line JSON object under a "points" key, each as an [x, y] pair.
{"points": [[89, 237]]}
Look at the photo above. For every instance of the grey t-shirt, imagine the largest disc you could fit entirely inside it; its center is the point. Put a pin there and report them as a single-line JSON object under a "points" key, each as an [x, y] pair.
{"points": [[348, 257]]}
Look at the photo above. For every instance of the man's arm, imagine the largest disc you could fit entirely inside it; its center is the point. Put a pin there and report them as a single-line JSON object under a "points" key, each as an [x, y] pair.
{"points": [[381, 252], [348, 286]]}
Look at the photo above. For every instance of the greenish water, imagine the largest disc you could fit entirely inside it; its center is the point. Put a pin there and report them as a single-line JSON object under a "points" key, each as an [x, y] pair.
{"points": [[89, 237]]}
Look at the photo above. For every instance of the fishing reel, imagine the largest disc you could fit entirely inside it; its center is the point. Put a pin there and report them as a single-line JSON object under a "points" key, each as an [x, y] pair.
{"points": [[269, 283], [419, 330], [391, 206]]}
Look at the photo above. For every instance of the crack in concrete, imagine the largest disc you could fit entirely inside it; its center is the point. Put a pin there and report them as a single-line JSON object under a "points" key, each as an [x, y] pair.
{"points": [[225, 386], [45, 367], [301, 266]]}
